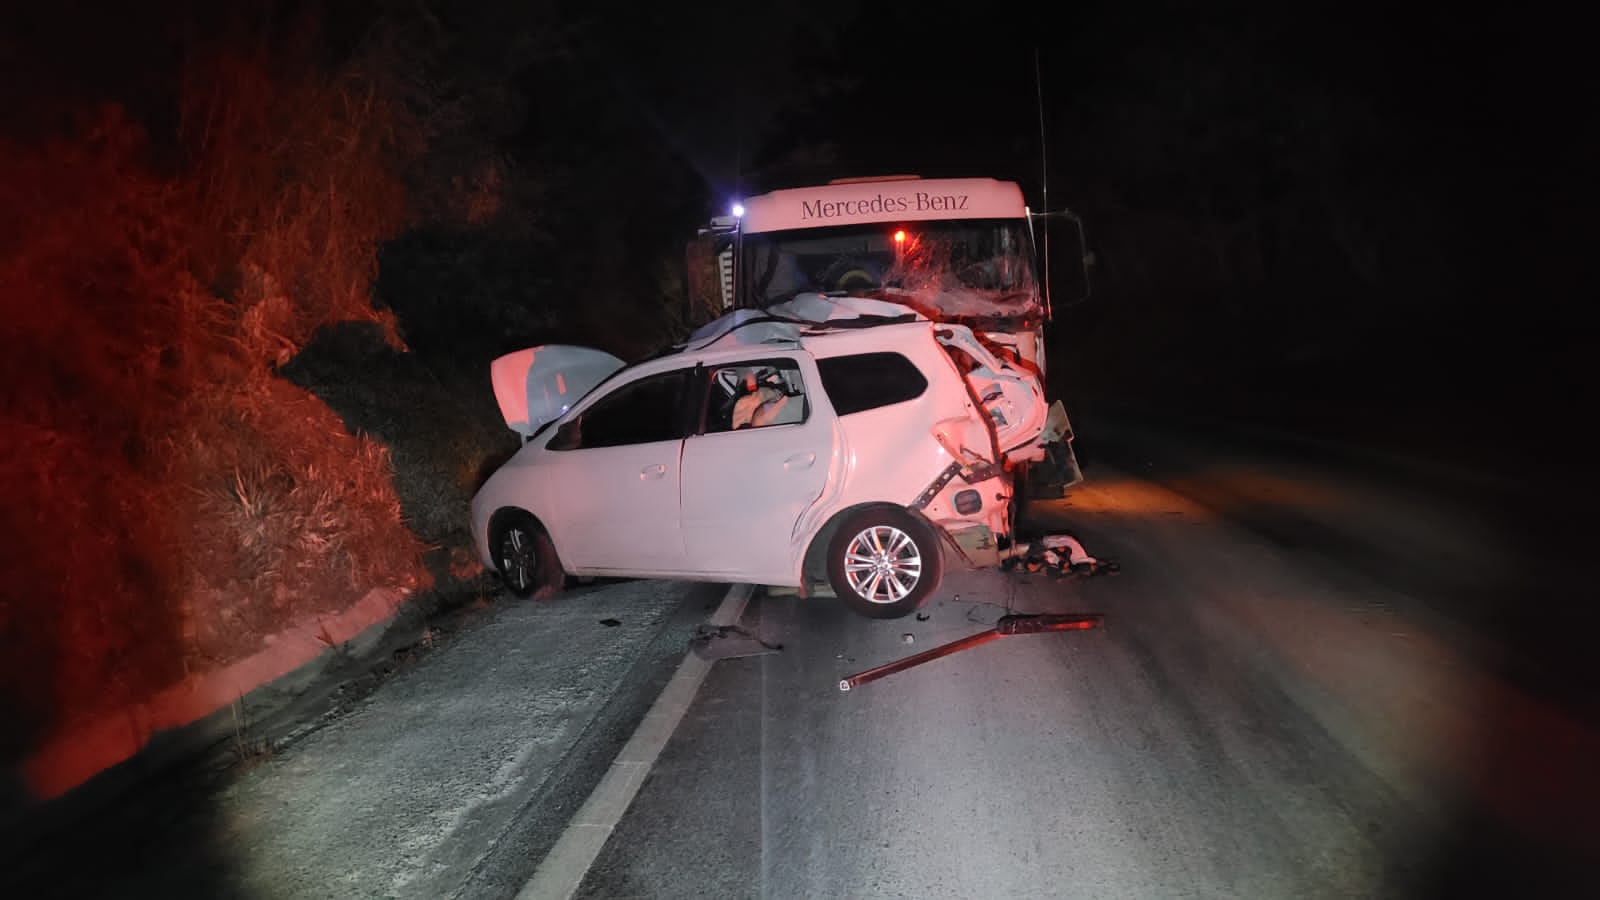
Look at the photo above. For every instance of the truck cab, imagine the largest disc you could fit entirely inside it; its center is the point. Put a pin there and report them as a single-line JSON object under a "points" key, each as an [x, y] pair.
{"points": [[956, 250]]}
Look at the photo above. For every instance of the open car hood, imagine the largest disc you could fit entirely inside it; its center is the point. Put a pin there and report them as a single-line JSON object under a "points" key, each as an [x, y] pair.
{"points": [[536, 385]]}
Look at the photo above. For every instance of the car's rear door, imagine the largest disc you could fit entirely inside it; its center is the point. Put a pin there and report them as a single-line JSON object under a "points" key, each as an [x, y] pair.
{"points": [[744, 489]]}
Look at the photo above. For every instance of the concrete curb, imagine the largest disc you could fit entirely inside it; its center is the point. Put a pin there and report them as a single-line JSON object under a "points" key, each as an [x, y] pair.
{"points": [[562, 871], [75, 754], [196, 722]]}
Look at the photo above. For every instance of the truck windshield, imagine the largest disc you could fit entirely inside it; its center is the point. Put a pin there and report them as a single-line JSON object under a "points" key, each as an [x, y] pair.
{"points": [[952, 269]]}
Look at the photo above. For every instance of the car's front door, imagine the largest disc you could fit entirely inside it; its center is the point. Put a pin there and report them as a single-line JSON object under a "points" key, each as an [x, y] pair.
{"points": [[617, 470], [757, 462]]}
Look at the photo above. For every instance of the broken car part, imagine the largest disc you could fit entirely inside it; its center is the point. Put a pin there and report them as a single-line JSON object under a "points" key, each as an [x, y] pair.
{"points": [[1060, 553], [1005, 627], [714, 642]]}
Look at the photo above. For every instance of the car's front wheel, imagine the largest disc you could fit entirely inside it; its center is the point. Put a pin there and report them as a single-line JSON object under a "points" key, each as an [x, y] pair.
{"points": [[884, 562], [525, 556]]}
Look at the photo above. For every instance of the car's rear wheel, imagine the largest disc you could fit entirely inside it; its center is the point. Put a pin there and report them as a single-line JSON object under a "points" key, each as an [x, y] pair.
{"points": [[525, 556], [884, 562]]}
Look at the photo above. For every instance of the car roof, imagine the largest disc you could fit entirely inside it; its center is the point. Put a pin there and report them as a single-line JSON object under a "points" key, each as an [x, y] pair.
{"points": [[821, 341]]}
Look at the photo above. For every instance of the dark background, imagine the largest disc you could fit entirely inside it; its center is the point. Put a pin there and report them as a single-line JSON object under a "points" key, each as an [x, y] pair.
{"points": [[1359, 219], [1291, 206]]}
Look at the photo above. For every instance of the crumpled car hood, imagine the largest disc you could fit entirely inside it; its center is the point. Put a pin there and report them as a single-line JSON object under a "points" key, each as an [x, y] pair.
{"points": [[787, 321]]}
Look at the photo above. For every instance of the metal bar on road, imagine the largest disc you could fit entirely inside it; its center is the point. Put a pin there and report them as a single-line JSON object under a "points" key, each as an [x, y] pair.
{"points": [[889, 668], [1008, 625]]}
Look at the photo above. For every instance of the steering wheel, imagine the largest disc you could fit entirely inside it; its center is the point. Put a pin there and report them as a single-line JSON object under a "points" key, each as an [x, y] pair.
{"points": [[847, 274], [855, 279], [977, 275]]}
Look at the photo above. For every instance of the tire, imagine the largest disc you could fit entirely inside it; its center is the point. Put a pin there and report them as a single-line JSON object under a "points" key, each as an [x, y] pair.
{"points": [[525, 557], [884, 562]]}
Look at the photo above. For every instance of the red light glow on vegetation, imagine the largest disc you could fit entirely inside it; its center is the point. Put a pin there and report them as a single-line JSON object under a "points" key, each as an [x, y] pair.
{"points": [[170, 500]]}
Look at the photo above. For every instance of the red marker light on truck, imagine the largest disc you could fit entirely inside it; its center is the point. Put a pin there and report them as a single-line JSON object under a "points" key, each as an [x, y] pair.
{"points": [[899, 237]]}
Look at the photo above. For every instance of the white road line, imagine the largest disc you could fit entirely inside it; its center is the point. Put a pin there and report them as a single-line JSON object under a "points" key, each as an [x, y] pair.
{"points": [[562, 870]]}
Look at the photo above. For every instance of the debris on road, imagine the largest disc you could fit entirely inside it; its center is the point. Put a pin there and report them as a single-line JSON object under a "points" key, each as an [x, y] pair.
{"points": [[1007, 626], [1061, 555], [610, 623], [714, 642]]}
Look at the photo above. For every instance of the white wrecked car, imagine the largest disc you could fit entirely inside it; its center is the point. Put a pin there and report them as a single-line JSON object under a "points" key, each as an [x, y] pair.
{"points": [[826, 440]]}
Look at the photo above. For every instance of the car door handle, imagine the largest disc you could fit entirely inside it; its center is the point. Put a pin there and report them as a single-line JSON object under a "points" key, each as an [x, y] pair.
{"points": [[649, 472], [800, 461]]}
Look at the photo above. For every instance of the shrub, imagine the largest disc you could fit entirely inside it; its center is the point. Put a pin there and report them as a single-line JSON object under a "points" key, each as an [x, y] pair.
{"points": [[170, 501]]}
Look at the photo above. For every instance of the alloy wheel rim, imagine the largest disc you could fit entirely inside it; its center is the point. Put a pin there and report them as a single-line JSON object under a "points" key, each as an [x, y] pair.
{"points": [[517, 558], [882, 564]]}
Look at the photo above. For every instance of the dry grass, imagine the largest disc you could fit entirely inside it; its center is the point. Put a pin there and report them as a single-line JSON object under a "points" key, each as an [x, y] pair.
{"points": [[169, 499], [309, 513], [250, 749]]}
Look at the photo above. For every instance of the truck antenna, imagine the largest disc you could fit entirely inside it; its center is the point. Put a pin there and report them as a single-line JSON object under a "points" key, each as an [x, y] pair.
{"points": [[1044, 180]]}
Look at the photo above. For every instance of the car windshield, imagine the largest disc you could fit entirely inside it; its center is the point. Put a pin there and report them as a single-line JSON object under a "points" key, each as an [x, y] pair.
{"points": [[945, 269]]}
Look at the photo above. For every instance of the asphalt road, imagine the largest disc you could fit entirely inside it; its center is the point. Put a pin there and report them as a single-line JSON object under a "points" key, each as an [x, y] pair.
{"points": [[451, 779], [1319, 676], [1304, 689]]}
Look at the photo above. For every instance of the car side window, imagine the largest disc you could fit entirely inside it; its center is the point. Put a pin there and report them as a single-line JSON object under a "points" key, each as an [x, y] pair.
{"points": [[756, 394], [864, 381], [641, 412]]}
